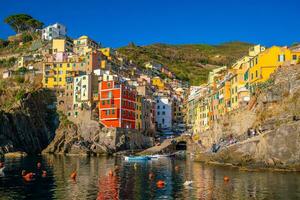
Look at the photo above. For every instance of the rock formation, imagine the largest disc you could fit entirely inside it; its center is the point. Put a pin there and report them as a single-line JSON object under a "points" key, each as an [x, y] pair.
{"points": [[30, 126]]}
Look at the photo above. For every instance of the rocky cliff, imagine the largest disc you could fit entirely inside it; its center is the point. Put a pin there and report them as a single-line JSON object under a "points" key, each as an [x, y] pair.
{"points": [[71, 139], [265, 133], [30, 125]]}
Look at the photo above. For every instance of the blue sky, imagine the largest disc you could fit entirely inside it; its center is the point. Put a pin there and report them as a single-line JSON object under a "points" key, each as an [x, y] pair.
{"points": [[117, 22]]}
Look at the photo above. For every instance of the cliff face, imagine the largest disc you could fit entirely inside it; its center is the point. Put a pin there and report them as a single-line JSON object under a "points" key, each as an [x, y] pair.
{"points": [[273, 115], [30, 126], [71, 139]]}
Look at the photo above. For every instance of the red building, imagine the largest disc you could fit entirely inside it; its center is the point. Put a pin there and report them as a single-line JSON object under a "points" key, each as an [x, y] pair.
{"points": [[116, 104]]}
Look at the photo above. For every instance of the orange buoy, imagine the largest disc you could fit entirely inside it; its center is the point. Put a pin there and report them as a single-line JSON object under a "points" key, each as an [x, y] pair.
{"points": [[44, 174], [176, 167], [226, 178], [151, 175], [160, 184], [110, 173], [27, 176], [73, 175], [39, 165]]}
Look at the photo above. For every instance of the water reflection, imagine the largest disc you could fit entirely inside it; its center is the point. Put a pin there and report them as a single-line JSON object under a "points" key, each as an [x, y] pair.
{"points": [[132, 181]]}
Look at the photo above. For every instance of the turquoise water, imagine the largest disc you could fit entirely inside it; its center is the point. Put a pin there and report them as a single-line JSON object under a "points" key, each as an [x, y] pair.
{"points": [[132, 182]]}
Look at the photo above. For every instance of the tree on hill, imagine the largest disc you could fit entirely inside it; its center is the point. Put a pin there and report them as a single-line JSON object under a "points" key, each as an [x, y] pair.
{"points": [[23, 23]]}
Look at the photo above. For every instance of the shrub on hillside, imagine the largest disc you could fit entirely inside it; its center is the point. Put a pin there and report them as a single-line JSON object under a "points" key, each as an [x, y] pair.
{"points": [[20, 94], [26, 37]]}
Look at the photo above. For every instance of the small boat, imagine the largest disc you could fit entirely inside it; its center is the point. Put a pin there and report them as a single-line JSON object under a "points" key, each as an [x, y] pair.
{"points": [[156, 156], [136, 158], [1, 170]]}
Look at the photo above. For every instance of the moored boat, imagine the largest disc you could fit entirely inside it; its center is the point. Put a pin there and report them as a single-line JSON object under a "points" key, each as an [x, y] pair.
{"points": [[136, 158]]}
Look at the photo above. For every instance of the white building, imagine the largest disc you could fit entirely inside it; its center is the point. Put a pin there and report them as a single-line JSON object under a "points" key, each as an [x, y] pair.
{"points": [[83, 90], [54, 31], [163, 112]]}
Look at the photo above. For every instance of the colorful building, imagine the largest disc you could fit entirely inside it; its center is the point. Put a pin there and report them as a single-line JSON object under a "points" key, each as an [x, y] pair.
{"points": [[84, 44], [62, 45], [56, 73], [108, 52], [138, 113], [83, 91], [163, 112], [158, 82], [116, 104], [267, 62], [54, 31]]}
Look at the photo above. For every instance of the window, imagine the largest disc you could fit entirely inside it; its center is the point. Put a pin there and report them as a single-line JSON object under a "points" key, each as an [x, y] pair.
{"points": [[107, 112], [281, 57], [164, 107], [158, 113], [163, 113], [251, 76], [294, 57], [108, 101], [110, 94], [113, 112], [158, 107], [256, 73], [60, 79], [108, 85], [103, 102]]}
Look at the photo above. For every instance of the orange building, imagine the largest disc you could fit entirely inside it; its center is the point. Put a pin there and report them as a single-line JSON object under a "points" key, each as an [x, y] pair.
{"points": [[117, 104]]}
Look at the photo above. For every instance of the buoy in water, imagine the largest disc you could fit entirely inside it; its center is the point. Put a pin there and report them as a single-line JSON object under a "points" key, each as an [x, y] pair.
{"points": [[39, 165], [73, 175], [188, 183], [151, 175], [160, 184], [27, 176], [44, 174], [110, 173], [226, 178]]}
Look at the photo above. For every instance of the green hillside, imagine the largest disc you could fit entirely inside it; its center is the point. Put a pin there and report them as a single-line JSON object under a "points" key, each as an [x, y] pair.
{"points": [[189, 62]]}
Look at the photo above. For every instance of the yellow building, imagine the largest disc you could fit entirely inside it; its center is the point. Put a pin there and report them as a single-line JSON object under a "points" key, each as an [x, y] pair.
{"points": [[224, 97], [108, 52], [62, 45], [56, 74], [84, 44], [267, 62], [295, 50], [158, 82], [138, 112]]}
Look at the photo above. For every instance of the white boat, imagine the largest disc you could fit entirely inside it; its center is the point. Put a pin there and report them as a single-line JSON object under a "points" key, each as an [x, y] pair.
{"points": [[157, 156], [1, 170], [136, 158]]}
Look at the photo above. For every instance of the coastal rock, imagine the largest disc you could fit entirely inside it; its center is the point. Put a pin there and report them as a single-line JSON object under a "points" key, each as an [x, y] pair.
{"points": [[70, 140], [31, 126]]}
